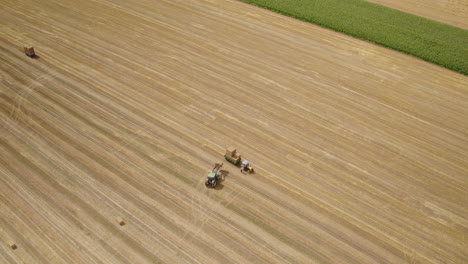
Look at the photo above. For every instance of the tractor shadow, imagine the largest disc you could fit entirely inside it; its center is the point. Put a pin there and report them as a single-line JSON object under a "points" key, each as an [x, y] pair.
{"points": [[219, 186], [223, 174], [252, 172], [222, 177]]}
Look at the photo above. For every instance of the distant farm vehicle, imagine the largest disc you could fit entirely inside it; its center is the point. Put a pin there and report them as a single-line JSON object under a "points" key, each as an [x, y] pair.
{"points": [[232, 156], [213, 177], [29, 51], [245, 166], [235, 158]]}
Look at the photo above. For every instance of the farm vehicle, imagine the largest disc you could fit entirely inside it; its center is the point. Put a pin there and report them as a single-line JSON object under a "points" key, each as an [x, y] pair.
{"points": [[235, 158], [214, 176]]}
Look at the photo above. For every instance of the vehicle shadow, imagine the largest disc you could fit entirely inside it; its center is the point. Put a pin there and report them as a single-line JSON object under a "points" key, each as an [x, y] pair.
{"points": [[223, 174], [219, 186]]}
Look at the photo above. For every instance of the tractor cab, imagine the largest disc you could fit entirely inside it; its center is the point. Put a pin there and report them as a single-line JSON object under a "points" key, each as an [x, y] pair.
{"points": [[212, 175]]}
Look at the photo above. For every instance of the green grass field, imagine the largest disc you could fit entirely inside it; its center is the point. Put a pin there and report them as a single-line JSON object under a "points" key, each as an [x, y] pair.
{"points": [[424, 38]]}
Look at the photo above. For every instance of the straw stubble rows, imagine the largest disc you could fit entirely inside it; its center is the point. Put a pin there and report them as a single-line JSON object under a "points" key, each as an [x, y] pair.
{"points": [[358, 150]]}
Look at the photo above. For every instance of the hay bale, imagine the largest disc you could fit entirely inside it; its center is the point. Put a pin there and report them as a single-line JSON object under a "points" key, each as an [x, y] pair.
{"points": [[13, 246], [29, 50], [120, 221]]}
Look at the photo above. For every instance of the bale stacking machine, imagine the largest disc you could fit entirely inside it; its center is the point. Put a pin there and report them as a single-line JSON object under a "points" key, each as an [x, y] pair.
{"points": [[235, 158]]}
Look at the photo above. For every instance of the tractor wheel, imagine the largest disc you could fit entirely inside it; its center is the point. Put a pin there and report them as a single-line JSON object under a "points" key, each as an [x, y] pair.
{"points": [[214, 184]]}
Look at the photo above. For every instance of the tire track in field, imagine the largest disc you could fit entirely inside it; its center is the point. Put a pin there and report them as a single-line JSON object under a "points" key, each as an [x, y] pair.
{"points": [[52, 183], [27, 92], [345, 171], [38, 119]]}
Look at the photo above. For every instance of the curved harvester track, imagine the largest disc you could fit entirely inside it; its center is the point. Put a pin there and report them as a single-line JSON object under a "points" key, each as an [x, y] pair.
{"points": [[359, 151]]}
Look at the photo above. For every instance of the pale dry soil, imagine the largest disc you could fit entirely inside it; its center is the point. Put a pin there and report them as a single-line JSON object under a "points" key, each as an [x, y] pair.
{"points": [[360, 152], [452, 12]]}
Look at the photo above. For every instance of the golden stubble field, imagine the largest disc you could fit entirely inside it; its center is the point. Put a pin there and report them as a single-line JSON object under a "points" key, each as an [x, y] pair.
{"points": [[360, 152], [452, 12]]}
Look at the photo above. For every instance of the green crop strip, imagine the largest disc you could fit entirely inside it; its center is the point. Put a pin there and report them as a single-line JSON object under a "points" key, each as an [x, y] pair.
{"points": [[424, 38]]}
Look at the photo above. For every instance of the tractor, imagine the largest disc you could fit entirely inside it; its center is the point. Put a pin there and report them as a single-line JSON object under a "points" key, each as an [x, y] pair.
{"points": [[245, 166], [213, 177]]}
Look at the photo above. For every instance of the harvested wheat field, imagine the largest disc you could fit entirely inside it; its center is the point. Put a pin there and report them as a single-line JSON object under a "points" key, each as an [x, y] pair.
{"points": [[107, 136], [452, 12]]}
